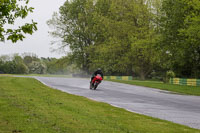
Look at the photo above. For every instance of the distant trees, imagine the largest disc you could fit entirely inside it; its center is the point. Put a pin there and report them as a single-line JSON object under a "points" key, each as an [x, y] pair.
{"points": [[20, 67], [34, 64], [15, 66], [31, 64], [10, 10], [57, 66]]}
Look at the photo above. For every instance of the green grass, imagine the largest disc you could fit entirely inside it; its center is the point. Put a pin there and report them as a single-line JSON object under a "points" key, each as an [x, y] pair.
{"points": [[27, 106], [182, 89]]}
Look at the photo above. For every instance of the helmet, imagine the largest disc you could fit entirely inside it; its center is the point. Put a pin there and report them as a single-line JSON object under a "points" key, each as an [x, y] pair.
{"points": [[99, 69]]}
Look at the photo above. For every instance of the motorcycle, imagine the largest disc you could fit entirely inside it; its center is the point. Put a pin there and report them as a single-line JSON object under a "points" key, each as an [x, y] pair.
{"points": [[96, 81]]}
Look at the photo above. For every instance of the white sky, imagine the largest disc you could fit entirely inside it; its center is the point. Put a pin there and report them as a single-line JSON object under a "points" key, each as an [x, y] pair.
{"points": [[39, 42]]}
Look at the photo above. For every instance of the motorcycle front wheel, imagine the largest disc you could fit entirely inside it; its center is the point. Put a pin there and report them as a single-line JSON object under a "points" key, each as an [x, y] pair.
{"points": [[95, 86], [90, 86]]}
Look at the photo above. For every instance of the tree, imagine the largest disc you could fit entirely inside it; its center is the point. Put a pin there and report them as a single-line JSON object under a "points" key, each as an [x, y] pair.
{"points": [[74, 27], [107, 34], [34, 64], [180, 36], [29, 58], [13, 65], [37, 67], [10, 10], [1, 66], [20, 67], [191, 34], [129, 39]]}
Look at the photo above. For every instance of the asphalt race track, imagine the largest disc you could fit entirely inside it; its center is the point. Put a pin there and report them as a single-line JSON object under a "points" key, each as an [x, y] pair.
{"points": [[180, 109]]}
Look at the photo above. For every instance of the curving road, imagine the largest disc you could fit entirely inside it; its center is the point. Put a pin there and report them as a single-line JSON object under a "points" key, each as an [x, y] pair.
{"points": [[180, 109]]}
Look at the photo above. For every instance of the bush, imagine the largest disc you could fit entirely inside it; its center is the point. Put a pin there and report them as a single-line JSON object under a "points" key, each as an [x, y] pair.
{"points": [[169, 74], [21, 69]]}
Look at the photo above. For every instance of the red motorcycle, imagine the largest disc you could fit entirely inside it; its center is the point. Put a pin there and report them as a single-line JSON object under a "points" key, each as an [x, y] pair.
{"points": [[96, 81]]}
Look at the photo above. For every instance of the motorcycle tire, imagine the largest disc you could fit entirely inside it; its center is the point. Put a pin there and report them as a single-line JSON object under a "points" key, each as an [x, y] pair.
{"points": [[90, 86], [95, 86]]}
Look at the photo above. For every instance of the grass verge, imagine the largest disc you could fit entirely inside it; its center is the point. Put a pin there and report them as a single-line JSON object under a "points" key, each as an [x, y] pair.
{"points": [[182, 89], [27, 106]]}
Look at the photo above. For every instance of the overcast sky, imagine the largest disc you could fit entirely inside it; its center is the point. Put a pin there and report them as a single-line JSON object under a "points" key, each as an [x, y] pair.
{"points": [[39, 42]]}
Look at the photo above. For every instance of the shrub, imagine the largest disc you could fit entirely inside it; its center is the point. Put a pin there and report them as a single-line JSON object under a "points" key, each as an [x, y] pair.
{"points": [[169, 74]]}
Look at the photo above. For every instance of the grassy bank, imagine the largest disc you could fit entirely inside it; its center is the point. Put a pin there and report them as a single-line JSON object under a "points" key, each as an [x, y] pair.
{"points": [[182, 89], [27, 106]]}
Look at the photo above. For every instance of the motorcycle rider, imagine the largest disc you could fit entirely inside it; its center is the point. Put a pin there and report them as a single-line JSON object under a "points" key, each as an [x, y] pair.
{"points": [[98, 71]]}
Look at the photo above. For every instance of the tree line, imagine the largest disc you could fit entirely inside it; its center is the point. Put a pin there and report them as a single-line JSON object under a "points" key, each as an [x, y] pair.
{"points": [[144, 38], [29, 63]]}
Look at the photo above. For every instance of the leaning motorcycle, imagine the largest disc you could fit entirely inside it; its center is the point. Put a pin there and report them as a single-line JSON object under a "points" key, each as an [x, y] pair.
{"points": [[95, 82]]}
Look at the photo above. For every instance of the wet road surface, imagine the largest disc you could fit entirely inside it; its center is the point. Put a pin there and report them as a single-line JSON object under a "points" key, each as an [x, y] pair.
{"points": [[180, 109]]}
